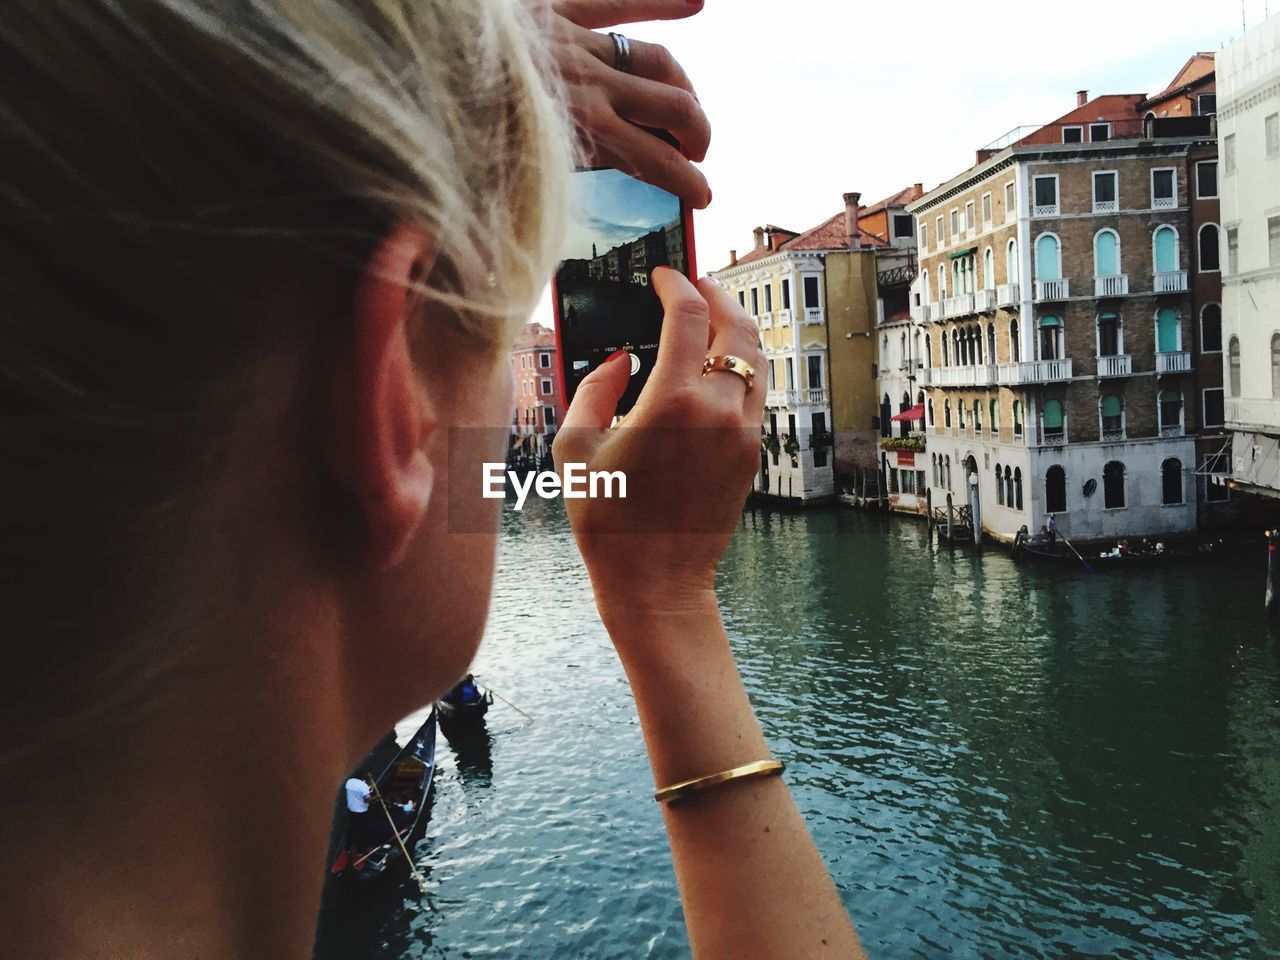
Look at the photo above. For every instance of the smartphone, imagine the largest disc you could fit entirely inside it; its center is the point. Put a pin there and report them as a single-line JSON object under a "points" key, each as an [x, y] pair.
{"points": [[622, 228]]}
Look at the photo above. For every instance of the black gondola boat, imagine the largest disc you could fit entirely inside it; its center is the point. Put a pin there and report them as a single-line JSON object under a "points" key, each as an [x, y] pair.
{"points": [[406, 778], [455, 711], [1053, 550]]}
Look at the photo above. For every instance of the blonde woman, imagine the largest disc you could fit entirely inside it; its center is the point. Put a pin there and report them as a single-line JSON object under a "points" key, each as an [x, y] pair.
{"points": [[261, 262]]}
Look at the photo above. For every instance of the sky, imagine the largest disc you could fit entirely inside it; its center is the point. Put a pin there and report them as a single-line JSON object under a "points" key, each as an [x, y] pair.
{"points": [[811, 99], [612, 209]]}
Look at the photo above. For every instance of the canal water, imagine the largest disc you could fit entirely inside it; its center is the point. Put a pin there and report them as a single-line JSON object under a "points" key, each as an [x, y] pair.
{"points": [[996, 761]]}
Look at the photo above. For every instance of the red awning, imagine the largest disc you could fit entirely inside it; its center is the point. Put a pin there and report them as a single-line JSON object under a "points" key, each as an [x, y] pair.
{"points": [[910, 416]]}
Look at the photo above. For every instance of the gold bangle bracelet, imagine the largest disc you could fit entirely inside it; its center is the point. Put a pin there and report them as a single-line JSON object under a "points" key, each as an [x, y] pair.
{"points": [[678, 791]]}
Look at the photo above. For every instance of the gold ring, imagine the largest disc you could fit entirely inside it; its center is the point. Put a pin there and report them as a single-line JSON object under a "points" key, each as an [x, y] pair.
{"points": [[735, 365]]}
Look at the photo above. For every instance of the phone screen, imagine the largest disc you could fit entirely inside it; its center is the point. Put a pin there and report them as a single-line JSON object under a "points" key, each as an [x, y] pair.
{"points": [[622, 228]]}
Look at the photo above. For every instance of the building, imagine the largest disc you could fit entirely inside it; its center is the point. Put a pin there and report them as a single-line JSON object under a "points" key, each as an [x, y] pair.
{"points": [[1062, 291], [1249, 128], [540, 405], [817, 299], [903, 477]]}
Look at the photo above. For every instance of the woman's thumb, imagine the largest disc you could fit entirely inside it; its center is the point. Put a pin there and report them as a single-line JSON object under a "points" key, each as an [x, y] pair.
{"points": [[594, 405]]}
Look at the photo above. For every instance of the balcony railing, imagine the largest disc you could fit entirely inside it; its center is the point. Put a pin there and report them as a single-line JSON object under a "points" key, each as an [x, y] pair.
{"points": [[1008, 294], [812, 314], [766, 319], [1172, 430], [1114, 286], [927, 311], [1171, 281], [926, 376], [1106, 206], [1053, 438], [1163, 203], [984, 301], [1034, 371], [1111, 436], [1050, 290], [784, 318], [1173, 362], [780, 398], [1045, 210], [961, 306], [813, 396], [1119, 365]]}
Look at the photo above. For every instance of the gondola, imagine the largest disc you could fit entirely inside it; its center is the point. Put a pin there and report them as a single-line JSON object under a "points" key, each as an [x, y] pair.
{"points": [[1042, 549], [407, 778], [458, 713]]}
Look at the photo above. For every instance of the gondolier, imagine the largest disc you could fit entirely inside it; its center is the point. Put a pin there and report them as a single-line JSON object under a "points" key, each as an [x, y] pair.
{"points": [[359, 792]]}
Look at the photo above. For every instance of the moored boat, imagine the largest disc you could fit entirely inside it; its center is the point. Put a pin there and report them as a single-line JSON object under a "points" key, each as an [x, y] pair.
{"points": [[1126, 554]]}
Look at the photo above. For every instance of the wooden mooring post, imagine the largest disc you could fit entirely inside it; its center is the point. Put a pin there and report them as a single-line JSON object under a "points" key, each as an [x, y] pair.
{"points": [[1273, 575]]}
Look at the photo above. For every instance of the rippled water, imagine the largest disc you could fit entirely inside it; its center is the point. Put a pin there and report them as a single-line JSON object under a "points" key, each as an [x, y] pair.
{"points": [[996, 761]]}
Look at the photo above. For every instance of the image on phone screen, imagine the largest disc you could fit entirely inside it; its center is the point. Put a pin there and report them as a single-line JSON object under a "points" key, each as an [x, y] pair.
{"points": [[622, 229]]}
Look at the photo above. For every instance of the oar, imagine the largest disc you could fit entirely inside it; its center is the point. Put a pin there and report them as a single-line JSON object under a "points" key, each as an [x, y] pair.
{"points": [[1077, 553], [413, 868], [510, 704]]}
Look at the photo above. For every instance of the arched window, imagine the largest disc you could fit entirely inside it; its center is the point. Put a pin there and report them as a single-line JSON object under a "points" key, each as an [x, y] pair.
{"points": [[1171, 482], [1015, 348], [1113, 485], [977, 416], [1275, 365], [995, 415], [960, 409], [926, 288], [1048, 258], [1109, 339], [1053, 423], [933, 420], [942, 282], [1210, 252], [989, 269], [1008, 487], [946, 413], [1171, 413], [946, 351], [947, 461], [1011, 261], [1168, 331], [991, 343], [1017, 418], [1017, 489], [1106, 253], [1111, 408], [955, 348], [977, 345], [1050, 338], [1165, 246], [928, 350], [1211, 329], [1233, 367], [999, 486], [1055, 490]]}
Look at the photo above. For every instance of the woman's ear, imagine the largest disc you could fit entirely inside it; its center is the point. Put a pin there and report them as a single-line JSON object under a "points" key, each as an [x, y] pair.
{"points": [[381, 418]]}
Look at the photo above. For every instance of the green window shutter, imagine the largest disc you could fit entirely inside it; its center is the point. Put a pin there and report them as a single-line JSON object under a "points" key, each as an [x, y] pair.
{"points": [[1050, 321], [1106, 258], [1053, 415], [1166, 250], [1167, 331], [1047, 265], [1111, 405]]}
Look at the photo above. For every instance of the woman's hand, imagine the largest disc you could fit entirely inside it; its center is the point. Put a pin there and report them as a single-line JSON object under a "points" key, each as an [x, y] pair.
{"points": [[689, 450], [609, 106]]}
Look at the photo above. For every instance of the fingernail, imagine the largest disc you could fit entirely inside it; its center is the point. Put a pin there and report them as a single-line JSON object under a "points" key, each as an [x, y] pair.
{"points": [[614, 356], [712, 280]]}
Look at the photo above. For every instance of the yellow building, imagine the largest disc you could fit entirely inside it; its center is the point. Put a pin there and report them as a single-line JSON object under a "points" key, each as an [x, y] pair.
{"points": [[816, 297]]}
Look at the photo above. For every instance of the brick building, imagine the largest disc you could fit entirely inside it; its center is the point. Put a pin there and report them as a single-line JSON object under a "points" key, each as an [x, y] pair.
{"points": [[1061, 294], [540, 406]]}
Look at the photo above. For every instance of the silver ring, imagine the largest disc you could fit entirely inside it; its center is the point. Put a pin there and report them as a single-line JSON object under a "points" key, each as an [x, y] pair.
{"points": [[621, 52]]}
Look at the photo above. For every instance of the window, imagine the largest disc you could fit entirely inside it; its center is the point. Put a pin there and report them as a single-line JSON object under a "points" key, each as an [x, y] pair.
{"points": [[1233, 366], [904, 226], [786, 294], [1048, 257], [1106, 254], [1011, 261], [924, 237], [1165, 249], [1017, 418], [1055, 490], [755, 301], [811, 301], [1113, 485], [547, 388], [1233, 251], [814, 364], [768, 297], [1168, 331], [940, 239], [1046, 192], [1207, 105], [1111, 408], [1099, 132], [1207, 180], [1273, 240], [955, 224], [1275, 365], [1105, 193], [1109, 340], [995, 416], [1170, 404], [1210, 255], [818, 424], [999, 486], [989, 270], [1017, 488], [1053, 423], [742, 299], [1010, 200], [970, 217], [1229, 154], [549, 416], [1015, 348], [1164, 189], [1211, 329], [1050, 338], [773, 374], [942, 283], [1214, 411], [1272, 124], [1171, 482], [1073, 134], [991, 343], [933, 420], [960, 410], [1008, 487], [986, 210]]}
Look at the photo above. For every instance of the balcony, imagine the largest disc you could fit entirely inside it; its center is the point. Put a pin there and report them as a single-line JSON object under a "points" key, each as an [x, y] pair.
{"points": [[780, 398], [1034, 371], [812, 315], [927, 376], [1053, 437], [1048, 291], [927, 311], [1171, 281], [765, 319], [817, 397], [984, 301], [784, 318], [1112, 435], [981, 375], [1045, 210], [1106, 206], [1114, 286], [1119, 365], [1171, 430], [961, 306], [1173, 362], [1008, 294]]}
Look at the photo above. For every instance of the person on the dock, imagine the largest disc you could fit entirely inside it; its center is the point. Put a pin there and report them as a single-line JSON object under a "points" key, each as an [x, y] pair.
{"points": [[263, 265]]}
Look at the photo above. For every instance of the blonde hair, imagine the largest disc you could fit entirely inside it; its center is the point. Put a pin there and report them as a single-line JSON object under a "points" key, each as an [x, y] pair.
{"points": [[158, 158]]}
